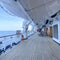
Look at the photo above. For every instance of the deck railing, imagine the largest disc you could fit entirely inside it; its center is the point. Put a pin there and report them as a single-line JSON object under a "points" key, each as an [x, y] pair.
{"points": [[9, 41], [9, 35]]}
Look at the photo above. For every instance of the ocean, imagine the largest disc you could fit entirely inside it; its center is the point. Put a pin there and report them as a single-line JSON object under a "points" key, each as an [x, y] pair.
{"points": [[4, 33]]}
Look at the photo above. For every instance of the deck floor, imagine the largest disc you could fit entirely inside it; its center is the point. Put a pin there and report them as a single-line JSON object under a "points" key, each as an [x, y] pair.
{"points": [[35, 48]]}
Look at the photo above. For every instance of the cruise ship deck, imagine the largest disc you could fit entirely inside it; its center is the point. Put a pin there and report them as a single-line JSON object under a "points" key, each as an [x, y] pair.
{"points": [[29, 29], [34, 48]]}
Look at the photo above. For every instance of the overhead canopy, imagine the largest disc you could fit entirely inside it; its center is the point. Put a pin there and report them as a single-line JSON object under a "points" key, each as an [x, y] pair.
{"points": [[37, 10], [15, 8]]}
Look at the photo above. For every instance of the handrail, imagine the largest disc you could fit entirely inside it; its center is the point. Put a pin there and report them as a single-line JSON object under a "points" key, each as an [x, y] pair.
{"points": [[9, 35]]}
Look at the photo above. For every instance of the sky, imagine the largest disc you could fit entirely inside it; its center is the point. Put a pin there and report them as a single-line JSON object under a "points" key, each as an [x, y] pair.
{"points": [[9, 23]]}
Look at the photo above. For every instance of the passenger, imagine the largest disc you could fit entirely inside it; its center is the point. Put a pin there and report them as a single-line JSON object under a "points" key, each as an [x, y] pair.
{"points": [[22, 37]]}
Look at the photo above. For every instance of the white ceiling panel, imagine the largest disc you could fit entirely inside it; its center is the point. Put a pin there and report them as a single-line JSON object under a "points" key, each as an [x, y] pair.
{"points": [[29, 4], [39, 9], [53, 8]]}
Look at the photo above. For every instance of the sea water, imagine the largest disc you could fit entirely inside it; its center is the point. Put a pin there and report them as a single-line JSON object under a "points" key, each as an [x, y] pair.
{"points": [[4, 33]]}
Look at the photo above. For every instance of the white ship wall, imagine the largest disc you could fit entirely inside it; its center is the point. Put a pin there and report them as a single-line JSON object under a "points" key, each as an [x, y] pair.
{"points": [[56, 30]]}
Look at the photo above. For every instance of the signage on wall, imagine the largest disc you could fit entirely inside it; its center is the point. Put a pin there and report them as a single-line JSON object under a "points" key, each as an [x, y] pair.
{"points": [[50, 22]]}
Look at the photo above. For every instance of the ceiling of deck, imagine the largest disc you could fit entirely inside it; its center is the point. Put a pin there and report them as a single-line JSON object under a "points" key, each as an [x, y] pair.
{"points": [[37, 10]]}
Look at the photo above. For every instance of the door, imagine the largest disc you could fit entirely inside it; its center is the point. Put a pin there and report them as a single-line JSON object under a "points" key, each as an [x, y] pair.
{"points": [[50, 31]]}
